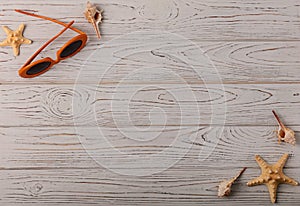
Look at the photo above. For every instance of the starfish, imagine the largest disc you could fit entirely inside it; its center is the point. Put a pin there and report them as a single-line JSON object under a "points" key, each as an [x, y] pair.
{"points": [[15, 39], [272, 175]]}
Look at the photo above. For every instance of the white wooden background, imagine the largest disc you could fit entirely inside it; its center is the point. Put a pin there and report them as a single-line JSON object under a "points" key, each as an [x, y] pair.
{"points": [[255, 45]]}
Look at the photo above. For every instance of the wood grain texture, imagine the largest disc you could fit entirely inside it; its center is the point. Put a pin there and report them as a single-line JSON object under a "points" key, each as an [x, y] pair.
{"points": [[233, 60], [146, 105], [59, 171], [52, 147], [205, 20], [219, 28]]}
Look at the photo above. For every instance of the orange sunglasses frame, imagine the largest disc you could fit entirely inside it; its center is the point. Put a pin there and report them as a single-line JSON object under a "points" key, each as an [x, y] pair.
{"points": [[29, 64]]}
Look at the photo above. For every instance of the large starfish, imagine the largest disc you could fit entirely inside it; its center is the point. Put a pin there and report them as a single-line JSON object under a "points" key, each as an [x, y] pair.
{"points": [[272, 175], [15, 38]]}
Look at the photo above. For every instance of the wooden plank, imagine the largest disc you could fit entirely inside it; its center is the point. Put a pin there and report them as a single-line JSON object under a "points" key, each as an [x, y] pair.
{"points": [[147, 105], [205, 20], [234, 62], [48, 166], [97, 187], [46, 148]]}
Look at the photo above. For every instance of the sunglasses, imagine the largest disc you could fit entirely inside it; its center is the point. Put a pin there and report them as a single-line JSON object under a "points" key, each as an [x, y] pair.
{"points": [[35, 68]]}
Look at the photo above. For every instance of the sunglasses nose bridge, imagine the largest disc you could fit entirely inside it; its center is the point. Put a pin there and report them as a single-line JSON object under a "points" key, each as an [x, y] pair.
{"points": [[53, 62], [57, 60]]}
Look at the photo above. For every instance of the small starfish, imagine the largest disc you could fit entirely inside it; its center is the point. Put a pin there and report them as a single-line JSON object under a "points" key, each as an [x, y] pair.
{"points": [[272, 175], [15, 39]]}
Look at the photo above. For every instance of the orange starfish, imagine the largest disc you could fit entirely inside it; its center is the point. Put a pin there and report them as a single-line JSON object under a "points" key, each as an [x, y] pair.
{"points": [[15, 38], [272, 175]]}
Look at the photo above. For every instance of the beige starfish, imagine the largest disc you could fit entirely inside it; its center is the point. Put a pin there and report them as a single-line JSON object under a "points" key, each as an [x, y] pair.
{"points": [[15, 39], [272, 175]]}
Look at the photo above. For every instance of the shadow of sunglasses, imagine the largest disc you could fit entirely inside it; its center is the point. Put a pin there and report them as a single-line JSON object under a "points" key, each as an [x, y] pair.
{"points": [[35, 68]]}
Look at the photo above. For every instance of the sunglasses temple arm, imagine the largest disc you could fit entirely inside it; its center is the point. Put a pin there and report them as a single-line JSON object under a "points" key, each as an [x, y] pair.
{"points": [[49, 19], [47, 43]]}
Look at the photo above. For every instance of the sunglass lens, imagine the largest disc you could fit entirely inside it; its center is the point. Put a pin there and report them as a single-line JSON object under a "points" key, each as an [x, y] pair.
{"points": [[71, 49], [38, 68]]}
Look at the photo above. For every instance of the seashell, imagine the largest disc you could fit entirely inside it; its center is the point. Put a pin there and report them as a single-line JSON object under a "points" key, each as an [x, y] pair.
{"points": [[94, 16], [284, 134], [225, 186]]}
